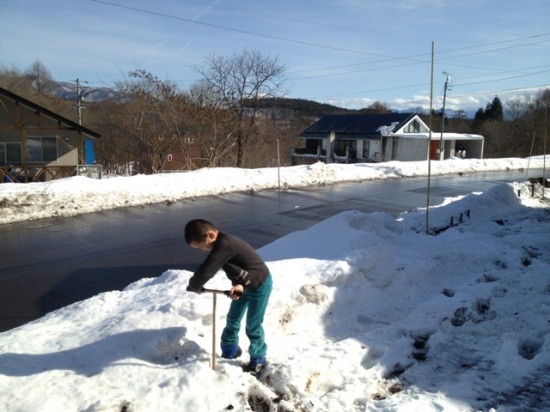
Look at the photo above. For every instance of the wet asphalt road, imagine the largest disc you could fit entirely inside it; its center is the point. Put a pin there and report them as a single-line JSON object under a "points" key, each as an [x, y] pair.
{"points": [[50, 263]]}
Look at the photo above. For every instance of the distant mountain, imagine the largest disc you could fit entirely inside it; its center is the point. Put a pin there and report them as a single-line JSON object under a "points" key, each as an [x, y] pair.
{"points": [[301, 106], [276, 107], [67, 91]]}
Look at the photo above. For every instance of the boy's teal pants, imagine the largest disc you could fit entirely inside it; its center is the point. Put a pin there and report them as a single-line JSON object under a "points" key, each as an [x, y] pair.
{"points": [[256, 303]]}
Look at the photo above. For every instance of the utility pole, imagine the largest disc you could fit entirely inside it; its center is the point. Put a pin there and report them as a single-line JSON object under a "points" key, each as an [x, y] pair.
{"points": [[545, 139], [79, 93], [430, 142], [445, 88], [79, 107]]}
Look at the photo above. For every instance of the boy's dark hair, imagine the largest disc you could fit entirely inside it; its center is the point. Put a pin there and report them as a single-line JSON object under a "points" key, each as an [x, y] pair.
{"points": [[195, 230]]}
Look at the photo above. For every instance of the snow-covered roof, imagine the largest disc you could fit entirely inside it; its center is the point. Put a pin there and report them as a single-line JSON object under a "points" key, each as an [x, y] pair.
{"points": [[446, 136]]}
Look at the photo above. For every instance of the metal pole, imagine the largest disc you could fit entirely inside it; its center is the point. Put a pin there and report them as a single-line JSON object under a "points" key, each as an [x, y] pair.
{"points": [[430, 146], [443, 115], [215, 293], [544, 151], [79, 92], [279, 185], [79, 107], [214, 331]]}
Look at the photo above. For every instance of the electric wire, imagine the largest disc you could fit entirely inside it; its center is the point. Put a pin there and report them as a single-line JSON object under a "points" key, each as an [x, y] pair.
{"points": [[415, 59]]}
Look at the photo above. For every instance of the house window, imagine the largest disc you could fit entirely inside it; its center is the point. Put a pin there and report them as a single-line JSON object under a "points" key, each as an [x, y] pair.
{"points": [[10, 153], [413, 127], [366, 149], [313, 144], [340, 147], [41, 149]]}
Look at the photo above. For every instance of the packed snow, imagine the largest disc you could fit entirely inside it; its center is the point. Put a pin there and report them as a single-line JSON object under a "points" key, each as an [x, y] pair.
{"points": [[368, 312], [76, 195]]}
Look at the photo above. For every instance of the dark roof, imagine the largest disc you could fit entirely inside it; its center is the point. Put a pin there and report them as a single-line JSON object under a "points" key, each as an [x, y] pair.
{"points": [[356, 126], [73, 125]]}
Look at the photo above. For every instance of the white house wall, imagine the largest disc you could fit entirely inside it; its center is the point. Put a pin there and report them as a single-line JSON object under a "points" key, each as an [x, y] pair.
{"points": [[402, 146], [412, 149], [423, 126], [388, 152], [374, 149]]}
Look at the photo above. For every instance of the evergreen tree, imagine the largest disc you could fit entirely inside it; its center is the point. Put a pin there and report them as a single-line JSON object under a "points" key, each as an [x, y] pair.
{"points": [[479, 118], [494, 110]]}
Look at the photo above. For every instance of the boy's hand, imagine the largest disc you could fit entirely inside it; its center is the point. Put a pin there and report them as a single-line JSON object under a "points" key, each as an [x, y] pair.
{"points": [[192, 289], [236, 292]]}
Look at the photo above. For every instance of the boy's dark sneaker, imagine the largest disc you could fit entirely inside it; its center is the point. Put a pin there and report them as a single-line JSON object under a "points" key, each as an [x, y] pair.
{"points": [[255, 366], [254, 369], [231, 352]]}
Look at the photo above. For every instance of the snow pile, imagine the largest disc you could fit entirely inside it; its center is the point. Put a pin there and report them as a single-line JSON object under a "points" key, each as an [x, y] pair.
{"points": [[76, 195], [368, 313]]}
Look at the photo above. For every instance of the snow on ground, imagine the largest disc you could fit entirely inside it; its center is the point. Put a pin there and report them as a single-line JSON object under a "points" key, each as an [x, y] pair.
{"points": [[76, 195], [368, 312]]}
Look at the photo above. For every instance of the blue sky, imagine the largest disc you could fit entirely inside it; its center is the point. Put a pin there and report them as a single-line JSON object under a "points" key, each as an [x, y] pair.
{"points": [[349, 53]]}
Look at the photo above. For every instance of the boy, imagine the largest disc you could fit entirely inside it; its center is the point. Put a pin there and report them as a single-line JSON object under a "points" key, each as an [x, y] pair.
{"points": [[251, 287]]}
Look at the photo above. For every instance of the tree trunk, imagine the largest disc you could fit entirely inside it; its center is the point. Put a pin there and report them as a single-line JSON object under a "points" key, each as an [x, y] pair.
{"points": [[240, 150]]}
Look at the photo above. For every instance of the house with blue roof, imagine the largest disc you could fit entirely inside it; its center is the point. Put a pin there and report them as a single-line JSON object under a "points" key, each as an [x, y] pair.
{"points": [[382, 137]]}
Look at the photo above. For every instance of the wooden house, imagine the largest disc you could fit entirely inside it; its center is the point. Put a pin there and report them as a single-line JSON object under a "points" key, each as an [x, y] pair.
{"points": [[37, 144]]}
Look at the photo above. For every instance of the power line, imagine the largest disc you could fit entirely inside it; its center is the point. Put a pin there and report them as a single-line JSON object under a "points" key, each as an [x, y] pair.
{"points": [[311, 44], [413, 59], [301, 21], [503, 79], [410, 60], [486, 93], [251, 33], [401, 87], [523, 74], [494, 50], [504, 91]]}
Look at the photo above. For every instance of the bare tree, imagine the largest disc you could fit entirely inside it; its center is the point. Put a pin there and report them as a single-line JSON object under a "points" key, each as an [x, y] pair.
{"points": [[213, 127], [155, 117], [376, 107], [517, 106], [216, 139], [238, 83], [13, 80], [117, 149], [41, 77]]}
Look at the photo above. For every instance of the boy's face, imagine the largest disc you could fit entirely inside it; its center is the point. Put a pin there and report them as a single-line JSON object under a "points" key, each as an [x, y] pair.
{"points": [[207, 244]]}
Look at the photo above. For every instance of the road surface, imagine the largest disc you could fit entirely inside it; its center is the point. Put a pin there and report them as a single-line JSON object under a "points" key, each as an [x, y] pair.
{"points": [[50, 263]]}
